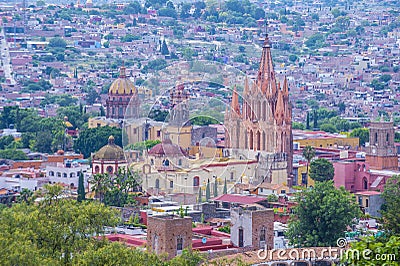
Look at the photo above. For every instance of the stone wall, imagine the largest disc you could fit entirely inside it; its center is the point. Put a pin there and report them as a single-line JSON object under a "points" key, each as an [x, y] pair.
{"points": [[163, 233]]}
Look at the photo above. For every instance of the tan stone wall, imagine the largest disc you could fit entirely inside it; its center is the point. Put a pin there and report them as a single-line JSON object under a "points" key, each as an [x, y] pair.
{"points": [[380, 163], [260, 219], [168, 229]]}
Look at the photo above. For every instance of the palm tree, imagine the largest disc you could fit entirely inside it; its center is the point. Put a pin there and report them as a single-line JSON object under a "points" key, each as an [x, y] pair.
{"points": [[308, 154], [100, 185], [25, 195]]}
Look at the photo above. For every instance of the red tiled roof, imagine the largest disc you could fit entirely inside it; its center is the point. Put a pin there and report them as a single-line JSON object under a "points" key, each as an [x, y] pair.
{"points": [[167, 148], [242, 199]]}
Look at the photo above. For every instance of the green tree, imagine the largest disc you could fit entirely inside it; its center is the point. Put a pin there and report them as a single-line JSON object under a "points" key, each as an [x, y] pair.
{"points": [[328, 128], [297, 125], [13, 154], [321, 216], [308, 121], [164, 48], [308, 154], [225, 191], [53, 231], [362, 134], [380, 251], [81, 188], [215, 187], [92, 139], [200, 196], [390, 213], [57, 42], [321, 170], [315, 118], [100, 184]]}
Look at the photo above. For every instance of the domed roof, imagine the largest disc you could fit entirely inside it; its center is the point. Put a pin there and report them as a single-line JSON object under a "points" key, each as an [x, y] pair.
{"points": [[122, 85], [167, 148], [110, 152]]}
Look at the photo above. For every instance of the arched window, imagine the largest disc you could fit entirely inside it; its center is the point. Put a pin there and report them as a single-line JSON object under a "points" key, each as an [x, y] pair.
{"points": [[251, 140], [196, 181], [166, 162], [58, 174], [51, 173], [262, 237], [155, 243], [180, 162], [387, 137], [365, 183], [109, 169], [376, 137], [263, 141], [97, 169], [179, 245], [171, 184], [157, 183]]}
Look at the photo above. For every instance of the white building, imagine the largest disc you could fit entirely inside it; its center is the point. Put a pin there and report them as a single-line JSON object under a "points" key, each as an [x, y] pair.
{"points": [[68, 173]]}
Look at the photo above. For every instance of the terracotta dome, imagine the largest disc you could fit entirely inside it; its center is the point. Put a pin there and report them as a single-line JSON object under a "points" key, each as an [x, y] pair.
{"points": [[110, 152], [167, 148], [122, 85]]}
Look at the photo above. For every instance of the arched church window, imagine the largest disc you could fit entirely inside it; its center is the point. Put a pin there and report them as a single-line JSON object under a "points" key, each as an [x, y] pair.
{"points": [[196, 181], [109, 169], [365, 183]]}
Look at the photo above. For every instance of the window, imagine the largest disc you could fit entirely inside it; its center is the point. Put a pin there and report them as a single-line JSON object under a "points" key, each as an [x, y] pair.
{"points": [[262, 237], [171, 184], [365, 183], [166, 162], [134, 131], [196, 181], [158, 133], [157, 183], [155, 243], [51, 173], [366, 203], [261, 189], [179, 245], [231, 176], [97, 169], [387, 137], [58, 174], [180, 162], [109, 169]]}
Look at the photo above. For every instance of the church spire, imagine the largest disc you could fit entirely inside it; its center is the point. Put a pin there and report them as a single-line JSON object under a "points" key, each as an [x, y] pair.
{"points": [[285, 88], [280, 108], [235, 101], [246, 86], [266, 76]]}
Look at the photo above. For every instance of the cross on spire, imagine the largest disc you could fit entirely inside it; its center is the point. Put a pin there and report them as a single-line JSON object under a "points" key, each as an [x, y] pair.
{"points": [[266, 28]]}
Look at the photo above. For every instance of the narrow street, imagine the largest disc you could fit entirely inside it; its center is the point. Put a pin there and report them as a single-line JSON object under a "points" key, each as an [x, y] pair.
{"points": [[5, 59]]}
